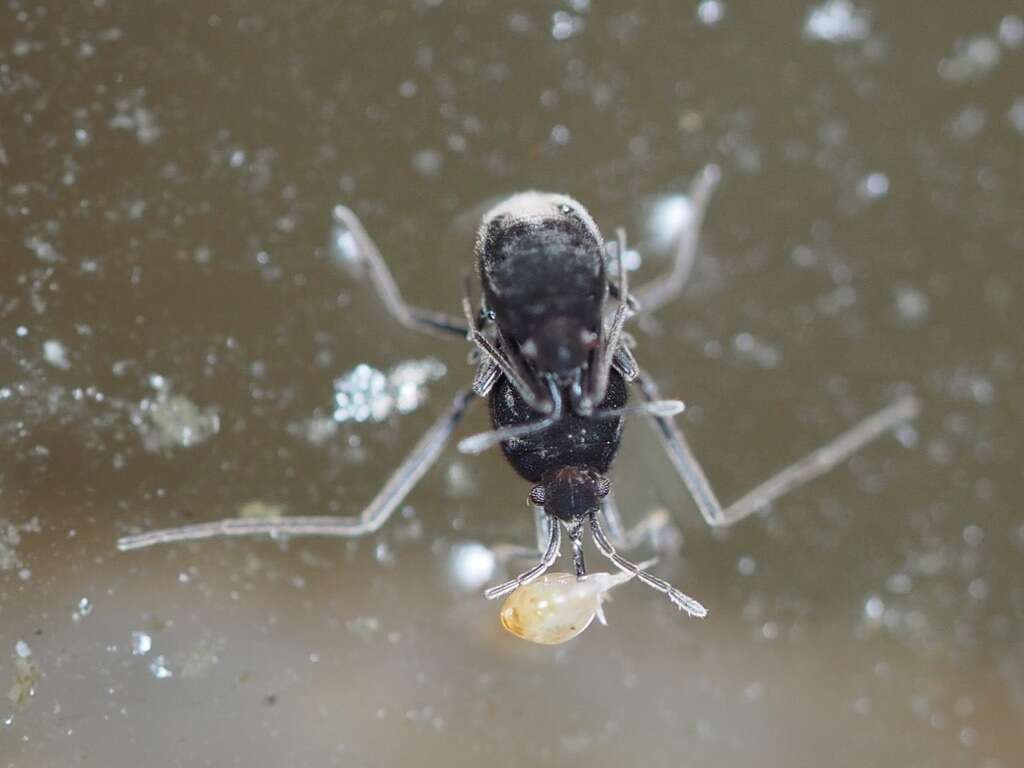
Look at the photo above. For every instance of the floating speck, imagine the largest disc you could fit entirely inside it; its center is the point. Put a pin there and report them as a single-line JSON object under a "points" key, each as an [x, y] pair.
{"points": [[203, 658], [753, 692], [1011, 31], [874, 609], [971, 59], [749, 347], [26, 675], [427, 162], [899, 584], [967, 123], [973, 535], [1016, 115], [142, 643], [85, 607], [837, 21], [977, 589], [133, 116], [667, 219], [873, 186], [710, 12], [384, 554], [560, 135], [261, 510], [160, 669], [10, 538], [43, 249], [565, 25], [911, 305], [746, 565], [364, 626], [471, 564], [173, 421]]}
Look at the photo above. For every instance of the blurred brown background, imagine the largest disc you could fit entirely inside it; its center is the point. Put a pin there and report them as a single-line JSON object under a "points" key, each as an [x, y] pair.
{"points": [[167, 177]]}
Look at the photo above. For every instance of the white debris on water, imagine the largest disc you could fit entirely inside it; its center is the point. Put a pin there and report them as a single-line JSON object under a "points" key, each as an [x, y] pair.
{"points": [[1016, 115], [1011, 32], [142, 643], [837, 21], [43, 249], [971, 59], [168, 421], [84, 608], [10, 538], [471, 564], [344, 250], [667, 219], [428, 162], [710, 12], [911, 304], [133, 116], [750, 348], [873, 186], [56, 354], [565, 25], [26, 675], [160, 668], [369, 394]]}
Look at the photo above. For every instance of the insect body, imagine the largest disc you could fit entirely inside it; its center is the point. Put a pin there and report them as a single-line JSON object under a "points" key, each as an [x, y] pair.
{"points": [[552, 359], [541, 261]]}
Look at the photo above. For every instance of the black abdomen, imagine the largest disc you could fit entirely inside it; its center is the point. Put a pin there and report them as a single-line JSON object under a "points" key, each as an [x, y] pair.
{"points": [[575, 441]]}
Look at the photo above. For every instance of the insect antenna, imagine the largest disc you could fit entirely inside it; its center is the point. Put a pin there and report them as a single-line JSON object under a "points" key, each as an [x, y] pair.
{"points": [[680, 600]]}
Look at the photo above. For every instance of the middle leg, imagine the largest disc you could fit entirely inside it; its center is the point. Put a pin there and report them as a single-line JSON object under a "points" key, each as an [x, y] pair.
{"points": [[795, 475]]}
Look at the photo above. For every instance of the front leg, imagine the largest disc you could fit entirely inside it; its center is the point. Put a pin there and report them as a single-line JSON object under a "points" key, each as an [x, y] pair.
{"points": [[366, 252]]}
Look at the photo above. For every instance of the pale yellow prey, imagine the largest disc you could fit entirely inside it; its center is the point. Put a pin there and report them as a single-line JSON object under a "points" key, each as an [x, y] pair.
{"points": [[557, 606]]}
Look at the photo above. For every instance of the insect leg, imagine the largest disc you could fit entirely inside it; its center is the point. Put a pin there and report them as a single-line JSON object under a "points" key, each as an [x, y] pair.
{"points": [[682, 601], [423, 455], [550, 555], [655, 528], [483, 440], [659, 292], [799, 473], [423, 320], [505, 552], [609, 342]]}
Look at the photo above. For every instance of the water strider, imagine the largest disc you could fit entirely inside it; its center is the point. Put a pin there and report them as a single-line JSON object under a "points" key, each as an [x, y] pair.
{"points": [[556, 366]]}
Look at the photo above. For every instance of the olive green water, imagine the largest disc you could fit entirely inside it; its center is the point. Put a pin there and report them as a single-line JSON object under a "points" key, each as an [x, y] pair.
{"points": [[168, 173]]}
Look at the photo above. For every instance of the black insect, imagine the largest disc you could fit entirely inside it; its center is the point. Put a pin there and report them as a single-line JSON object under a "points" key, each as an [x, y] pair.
{"points": [[556, 366]]}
